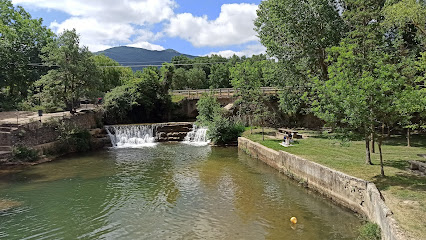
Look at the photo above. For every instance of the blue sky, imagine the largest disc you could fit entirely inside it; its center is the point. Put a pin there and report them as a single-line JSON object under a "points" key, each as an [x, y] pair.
{"points": [[189, 26]]}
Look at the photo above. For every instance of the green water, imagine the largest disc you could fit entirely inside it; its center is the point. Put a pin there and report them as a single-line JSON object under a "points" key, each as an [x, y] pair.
{"points": [[171, 191]]}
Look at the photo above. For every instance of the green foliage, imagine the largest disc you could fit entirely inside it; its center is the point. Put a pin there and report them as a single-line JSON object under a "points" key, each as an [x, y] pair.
{"points": [[73, 138], [208, 107], [179, 79], [224, 130], [24, 154], [21, 41], [111, 77], [76, 77], [143, 99], [369, 231], [197, 78]]}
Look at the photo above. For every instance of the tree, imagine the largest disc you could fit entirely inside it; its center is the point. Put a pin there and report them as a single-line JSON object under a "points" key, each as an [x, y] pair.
{"points": [[246, 79], [111, 73], [197, 78], [21, 41], [179, 80], [406, 21], [219, 76], [140, 100], [298, 33], [76, 75]]}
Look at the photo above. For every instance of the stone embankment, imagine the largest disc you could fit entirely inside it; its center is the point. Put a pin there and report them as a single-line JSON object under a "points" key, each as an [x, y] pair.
{"points": [[42, 136], [359, 195]]}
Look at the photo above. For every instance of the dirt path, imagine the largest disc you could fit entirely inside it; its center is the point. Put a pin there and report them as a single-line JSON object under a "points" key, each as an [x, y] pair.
{"points": [[22, 117]]}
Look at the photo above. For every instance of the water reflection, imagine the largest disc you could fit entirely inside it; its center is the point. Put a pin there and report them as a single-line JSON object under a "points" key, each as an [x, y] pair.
{"points": [[173, 191]]}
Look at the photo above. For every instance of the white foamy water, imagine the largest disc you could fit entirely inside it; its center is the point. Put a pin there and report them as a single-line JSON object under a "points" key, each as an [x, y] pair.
{"points": [[132, 136], [197, 137]]}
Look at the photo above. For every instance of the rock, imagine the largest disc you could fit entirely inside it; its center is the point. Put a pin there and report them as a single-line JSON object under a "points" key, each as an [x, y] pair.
{"points": [[6, 204]]}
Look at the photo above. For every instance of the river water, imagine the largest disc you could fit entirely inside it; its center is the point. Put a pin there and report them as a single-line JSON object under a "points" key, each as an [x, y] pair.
{"points": [[170, 191]]}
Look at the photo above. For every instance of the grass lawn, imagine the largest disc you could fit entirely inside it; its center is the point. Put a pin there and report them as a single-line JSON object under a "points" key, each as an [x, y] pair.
{"points": [[405, 192]]}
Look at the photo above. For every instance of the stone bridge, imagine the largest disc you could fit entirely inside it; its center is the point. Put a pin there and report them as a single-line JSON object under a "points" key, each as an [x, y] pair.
{"points": [[224, 96]]}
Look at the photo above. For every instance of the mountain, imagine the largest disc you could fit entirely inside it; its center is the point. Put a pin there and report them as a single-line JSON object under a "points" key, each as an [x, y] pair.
{"points": [[130, 56]]}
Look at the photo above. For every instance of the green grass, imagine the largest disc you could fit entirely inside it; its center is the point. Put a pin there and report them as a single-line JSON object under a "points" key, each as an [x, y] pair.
{"points": [[406, 191]]}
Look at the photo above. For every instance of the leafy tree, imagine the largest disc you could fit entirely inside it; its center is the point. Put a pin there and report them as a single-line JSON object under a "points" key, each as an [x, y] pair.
{"points": [[207, 107], [298, 33], [21, 41], [141, 100], [246, 79], [182, 60], [221, 129], [197, 78], [406, 21], [76, 76], [219, 76], [179, 80], [111, 77]]}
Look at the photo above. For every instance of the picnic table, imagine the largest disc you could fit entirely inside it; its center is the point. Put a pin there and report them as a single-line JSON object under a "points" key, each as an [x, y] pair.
{"points": [[286, 131]]}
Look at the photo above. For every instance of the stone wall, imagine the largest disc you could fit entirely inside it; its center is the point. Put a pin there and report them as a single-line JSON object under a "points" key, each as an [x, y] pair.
{"points": [[36, 133], [359, 195]]}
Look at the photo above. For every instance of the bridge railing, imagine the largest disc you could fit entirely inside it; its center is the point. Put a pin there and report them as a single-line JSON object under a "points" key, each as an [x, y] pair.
{"points": [[219, 92]]}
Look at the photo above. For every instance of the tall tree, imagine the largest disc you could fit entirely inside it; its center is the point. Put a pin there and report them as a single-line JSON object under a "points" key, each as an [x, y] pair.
{"points": [[21, 41], [111, 73], [76, 75], [246, 79], [298, 33]]}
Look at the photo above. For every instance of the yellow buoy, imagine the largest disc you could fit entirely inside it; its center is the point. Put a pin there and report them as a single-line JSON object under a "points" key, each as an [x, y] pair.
{"points": [[293, 220]]}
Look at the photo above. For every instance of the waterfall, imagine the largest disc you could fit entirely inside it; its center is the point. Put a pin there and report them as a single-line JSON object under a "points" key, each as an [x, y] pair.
{"points": [[198, 136], [132, 136]]}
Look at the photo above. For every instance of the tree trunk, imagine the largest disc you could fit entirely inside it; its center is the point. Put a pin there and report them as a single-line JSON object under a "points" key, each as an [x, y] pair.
{"points": [[382, 171], [367, 151], [263, 133], [251, 127], [408, 137], [389, 132], [372, 143]]}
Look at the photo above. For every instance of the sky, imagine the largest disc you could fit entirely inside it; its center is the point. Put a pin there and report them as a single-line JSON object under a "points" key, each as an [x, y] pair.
{"points": [[196, 27]]}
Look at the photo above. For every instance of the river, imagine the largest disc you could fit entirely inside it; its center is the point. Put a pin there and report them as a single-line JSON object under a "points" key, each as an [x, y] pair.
{"points": [[168, 191]]}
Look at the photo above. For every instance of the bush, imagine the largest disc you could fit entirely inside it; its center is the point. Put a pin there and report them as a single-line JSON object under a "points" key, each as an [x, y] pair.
{"points": [[224, 130], [369, 231], [73, 138], [24, 154]]}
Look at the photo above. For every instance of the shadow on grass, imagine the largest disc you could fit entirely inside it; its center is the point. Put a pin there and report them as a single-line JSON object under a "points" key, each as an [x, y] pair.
{"points": [[405, 180], [399, 164], [399, 140]]}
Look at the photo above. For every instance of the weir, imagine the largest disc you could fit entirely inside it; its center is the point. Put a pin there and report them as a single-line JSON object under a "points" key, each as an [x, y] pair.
{"points": [[148, 135]]}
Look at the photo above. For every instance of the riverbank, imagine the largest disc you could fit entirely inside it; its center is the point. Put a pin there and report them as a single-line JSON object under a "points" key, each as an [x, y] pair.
{"points": [[404, 191]]}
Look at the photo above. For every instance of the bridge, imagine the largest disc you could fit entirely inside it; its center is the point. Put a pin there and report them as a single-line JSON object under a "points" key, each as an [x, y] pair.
{"points": [[220, 92], [224, 96]]}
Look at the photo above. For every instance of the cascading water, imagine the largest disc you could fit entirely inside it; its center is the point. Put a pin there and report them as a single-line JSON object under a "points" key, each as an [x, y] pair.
{"points": [[198, 136], [132, 136]]}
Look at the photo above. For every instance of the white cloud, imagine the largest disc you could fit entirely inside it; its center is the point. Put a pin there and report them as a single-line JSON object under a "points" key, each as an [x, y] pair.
{"points": [[125, 11], [233, 26], [250, 50], [105, 23], [95, 33], [147, 45]]}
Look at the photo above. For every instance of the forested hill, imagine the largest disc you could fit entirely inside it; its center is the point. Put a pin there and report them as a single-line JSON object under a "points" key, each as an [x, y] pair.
{"points": [[130, 56]]}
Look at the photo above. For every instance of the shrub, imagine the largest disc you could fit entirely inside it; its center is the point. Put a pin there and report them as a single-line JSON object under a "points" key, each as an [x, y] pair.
{"points": [[369, 231], [73, 138], [224, 130], [24, 154]]}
